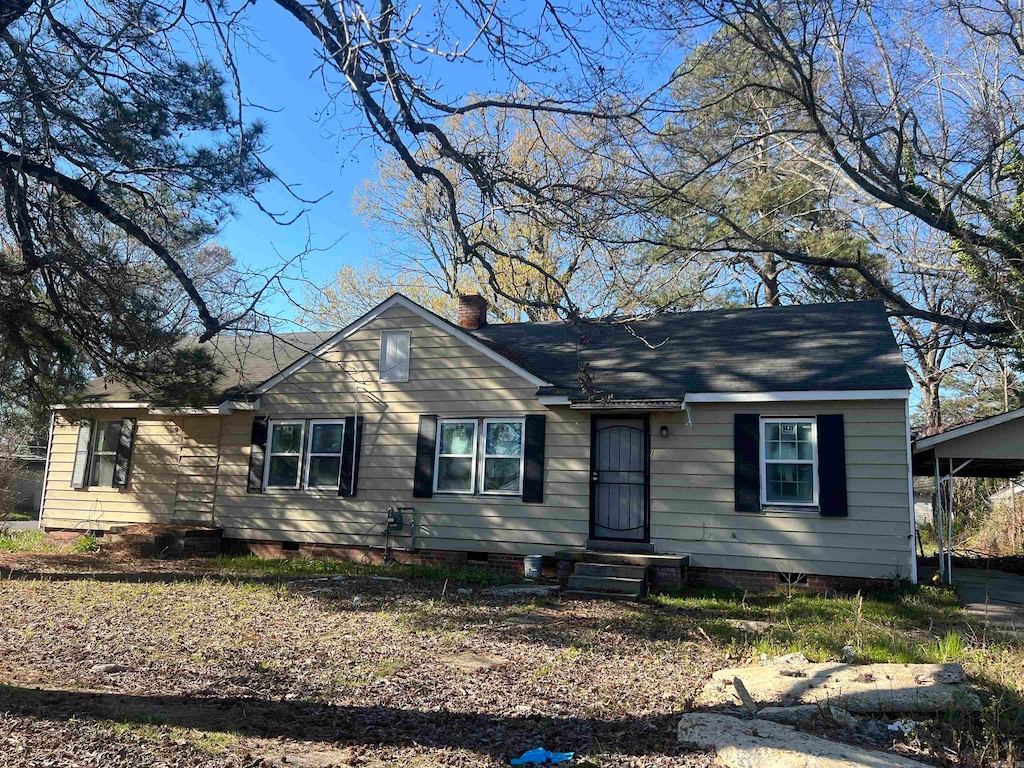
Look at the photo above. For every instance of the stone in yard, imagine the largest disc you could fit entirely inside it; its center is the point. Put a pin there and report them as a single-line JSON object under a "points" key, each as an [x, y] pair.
{"points": [[764, 744], [856, 688], [108, 669], [848, 655], [474, 662], [523, 590], [748, 625], [806, 713]]}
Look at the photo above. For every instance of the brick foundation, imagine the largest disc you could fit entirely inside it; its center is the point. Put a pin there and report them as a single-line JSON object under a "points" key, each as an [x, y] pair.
{"points": [[667, 578], [506, 564], [762, 581]]}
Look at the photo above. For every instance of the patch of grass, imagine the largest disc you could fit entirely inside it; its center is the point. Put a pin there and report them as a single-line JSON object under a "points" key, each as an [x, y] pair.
{"points": [[85, 543], [25, 541], [878, 625], [296, 567], [37, 541], [152, 728], [367, 674]]}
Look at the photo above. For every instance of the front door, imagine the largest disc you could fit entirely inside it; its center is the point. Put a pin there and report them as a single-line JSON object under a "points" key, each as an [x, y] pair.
{"points": [[618, 482]]}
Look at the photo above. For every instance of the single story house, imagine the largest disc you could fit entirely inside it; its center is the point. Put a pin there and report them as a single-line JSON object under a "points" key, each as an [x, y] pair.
{"points": [[754, 445]]}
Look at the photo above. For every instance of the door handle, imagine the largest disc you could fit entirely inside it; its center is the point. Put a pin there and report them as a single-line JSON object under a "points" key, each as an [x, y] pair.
{"points": [[594, 477]]}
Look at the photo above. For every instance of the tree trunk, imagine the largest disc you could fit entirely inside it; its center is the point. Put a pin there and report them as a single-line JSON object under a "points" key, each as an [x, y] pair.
{"points": [[932, 405]]}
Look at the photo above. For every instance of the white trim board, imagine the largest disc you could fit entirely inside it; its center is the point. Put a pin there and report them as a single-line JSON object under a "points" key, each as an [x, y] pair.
{"points": [[797, 396], [910, 499], [124, 404], [398, 300], [223, 409], [968, 429]]}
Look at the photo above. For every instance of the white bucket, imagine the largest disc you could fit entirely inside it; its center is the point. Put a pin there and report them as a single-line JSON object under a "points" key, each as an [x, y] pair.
{"points": [[531, 566]]}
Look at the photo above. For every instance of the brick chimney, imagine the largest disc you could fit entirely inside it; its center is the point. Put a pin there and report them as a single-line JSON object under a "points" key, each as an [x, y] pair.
{"points": [[472, 311]]}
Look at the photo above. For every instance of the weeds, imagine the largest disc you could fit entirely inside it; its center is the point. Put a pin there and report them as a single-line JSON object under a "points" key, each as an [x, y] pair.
{"points": [[85, 544], [25, 541]]}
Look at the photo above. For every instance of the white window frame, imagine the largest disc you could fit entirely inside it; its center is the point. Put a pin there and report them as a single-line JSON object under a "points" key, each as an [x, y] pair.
{"points": [[269, 454], [387, 377], [484, 456], [474, 456], [765, 461], [309, 453], [97, 431]]}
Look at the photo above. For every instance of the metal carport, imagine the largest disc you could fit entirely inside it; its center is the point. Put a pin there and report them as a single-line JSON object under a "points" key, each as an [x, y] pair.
{"points": [[990, 447]]}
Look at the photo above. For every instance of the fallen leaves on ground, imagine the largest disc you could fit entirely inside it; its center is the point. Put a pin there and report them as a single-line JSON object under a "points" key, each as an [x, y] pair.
{"points": [[219, 670]]}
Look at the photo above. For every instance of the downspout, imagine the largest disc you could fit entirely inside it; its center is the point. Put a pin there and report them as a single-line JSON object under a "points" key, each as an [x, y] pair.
{"points": [[910, 491], [46, 468]]}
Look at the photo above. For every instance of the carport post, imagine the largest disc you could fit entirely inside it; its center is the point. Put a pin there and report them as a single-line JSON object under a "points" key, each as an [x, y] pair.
{"points": [[937, 517], [949, 519]]}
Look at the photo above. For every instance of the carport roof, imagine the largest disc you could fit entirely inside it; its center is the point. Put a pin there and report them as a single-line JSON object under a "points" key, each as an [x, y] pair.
{"points": [[991, 447]]}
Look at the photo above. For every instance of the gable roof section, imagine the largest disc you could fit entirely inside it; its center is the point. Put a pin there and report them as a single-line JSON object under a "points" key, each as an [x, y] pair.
{"points": [[814, 347], [398, 300], [245, 361]]}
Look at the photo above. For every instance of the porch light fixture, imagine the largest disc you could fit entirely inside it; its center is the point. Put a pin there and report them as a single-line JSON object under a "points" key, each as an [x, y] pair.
{"points": [[664, 430]]}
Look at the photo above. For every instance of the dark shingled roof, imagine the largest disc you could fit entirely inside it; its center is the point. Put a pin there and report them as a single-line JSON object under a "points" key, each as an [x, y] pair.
{"points": [[805, 347], [840, 346], [245, 361]]}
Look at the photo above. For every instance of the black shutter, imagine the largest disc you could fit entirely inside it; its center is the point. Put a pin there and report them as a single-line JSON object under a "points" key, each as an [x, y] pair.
{"points": [[257, 454], [83, 451], [125, 446], [747, 448], [533, 459], [423, 483], [350, 451], [832, 465]]}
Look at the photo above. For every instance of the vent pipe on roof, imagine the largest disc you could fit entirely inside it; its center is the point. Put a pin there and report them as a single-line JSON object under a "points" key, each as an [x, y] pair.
{"points": [[472, 311]]}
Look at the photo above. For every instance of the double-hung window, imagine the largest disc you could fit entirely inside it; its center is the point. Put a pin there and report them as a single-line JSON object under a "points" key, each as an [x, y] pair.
{"points": [[789, 463], [326, 441], [456, 456], [284, 455], [503, 456], [479, 456], [106, 436]]}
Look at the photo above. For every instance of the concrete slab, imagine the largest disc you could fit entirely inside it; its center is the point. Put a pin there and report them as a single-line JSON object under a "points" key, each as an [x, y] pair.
{"points": [[855, 688], [763, 744], [995, 597]]}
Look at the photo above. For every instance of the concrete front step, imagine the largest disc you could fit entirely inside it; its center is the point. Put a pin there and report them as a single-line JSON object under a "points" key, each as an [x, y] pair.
{"points": [[613, 570], [607, 584], [579, 594]]}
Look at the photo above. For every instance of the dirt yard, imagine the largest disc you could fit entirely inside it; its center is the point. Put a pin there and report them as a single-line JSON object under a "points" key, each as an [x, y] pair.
{"points": [[148, 663]]}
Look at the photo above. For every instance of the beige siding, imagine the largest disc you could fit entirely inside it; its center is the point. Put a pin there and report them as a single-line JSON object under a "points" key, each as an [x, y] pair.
{"points": [[152, 486], [692, 505], [446, 378]]}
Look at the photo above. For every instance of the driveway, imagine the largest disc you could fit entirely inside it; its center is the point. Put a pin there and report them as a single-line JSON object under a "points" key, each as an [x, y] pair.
{"points": [[22, 525], [993, 596]]}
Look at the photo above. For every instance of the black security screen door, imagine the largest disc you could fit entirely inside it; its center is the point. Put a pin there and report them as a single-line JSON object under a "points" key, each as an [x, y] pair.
{"points": [[618, 488]]}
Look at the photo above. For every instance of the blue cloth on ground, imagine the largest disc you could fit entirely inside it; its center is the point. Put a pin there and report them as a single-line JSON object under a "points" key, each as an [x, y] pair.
{"points": [[542, 757]]}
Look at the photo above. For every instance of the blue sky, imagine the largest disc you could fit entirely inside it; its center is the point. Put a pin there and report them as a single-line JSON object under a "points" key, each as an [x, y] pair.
{"points": [[317, 157], [303, 152]]}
